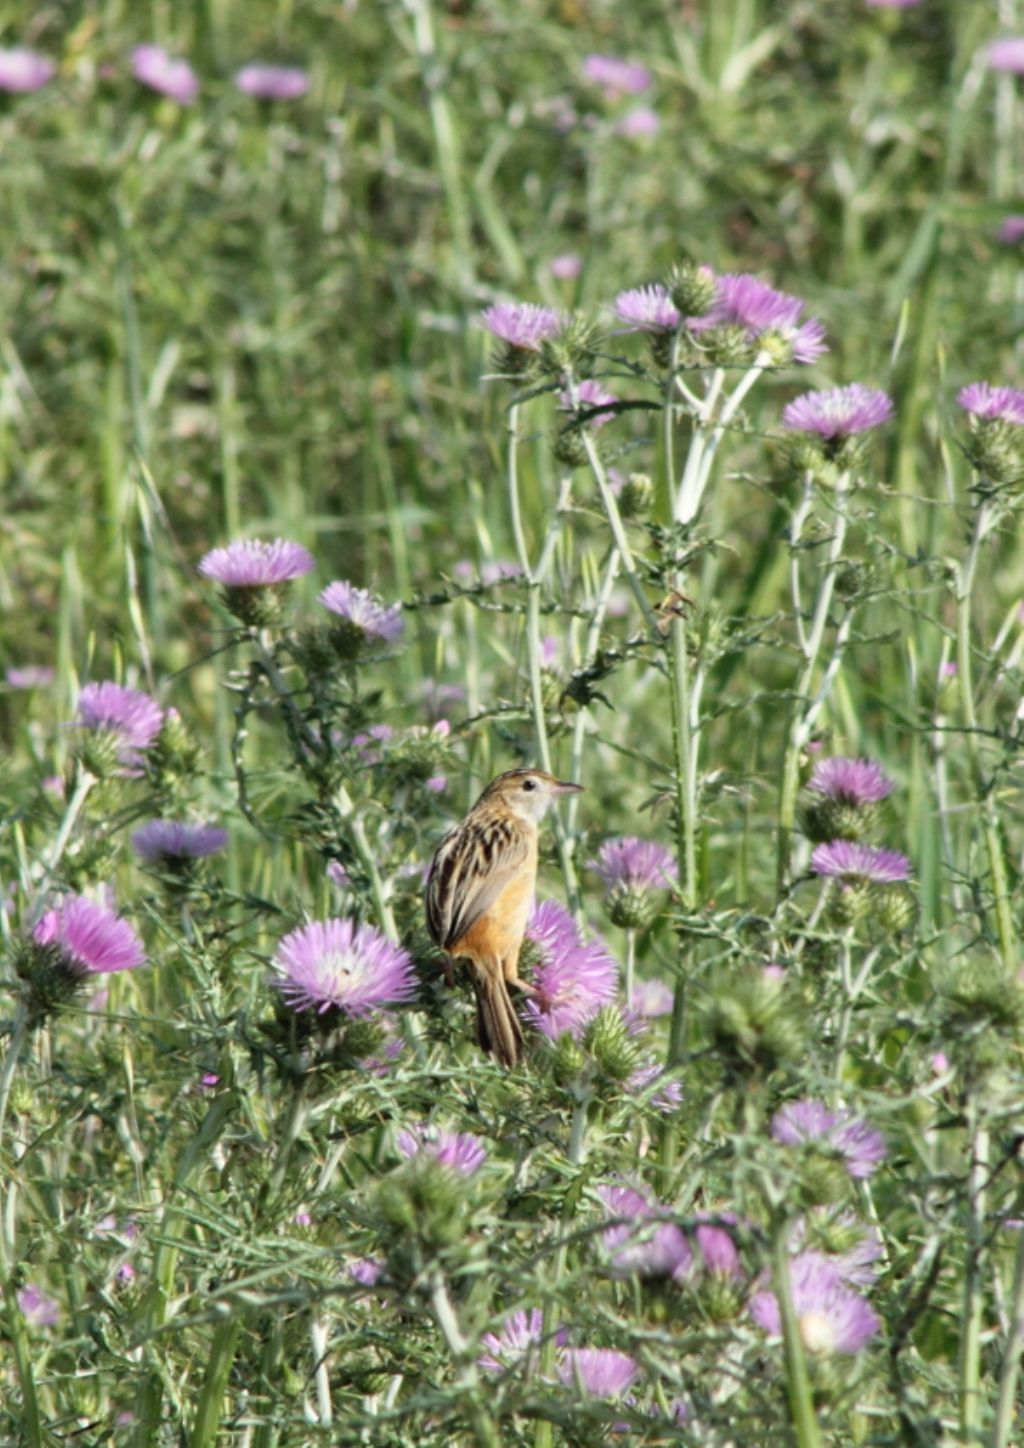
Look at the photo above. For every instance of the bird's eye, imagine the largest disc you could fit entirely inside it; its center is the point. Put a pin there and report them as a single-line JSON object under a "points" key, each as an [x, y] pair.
{"points": [[529, 784]]}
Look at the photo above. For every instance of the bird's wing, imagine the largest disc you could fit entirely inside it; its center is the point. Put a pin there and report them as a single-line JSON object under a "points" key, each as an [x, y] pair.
{"points": [[472, 866]]}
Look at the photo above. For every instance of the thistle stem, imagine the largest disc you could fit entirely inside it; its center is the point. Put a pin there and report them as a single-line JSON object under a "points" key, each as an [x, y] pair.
{"points": [[15, 1046], [83, 785], [798, 1384], [1010, 1370], [485, 1430], [971, 1317]]}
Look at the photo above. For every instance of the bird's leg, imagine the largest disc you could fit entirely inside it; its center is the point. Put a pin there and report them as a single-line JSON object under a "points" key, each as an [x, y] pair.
{"points": [[510, 970]]}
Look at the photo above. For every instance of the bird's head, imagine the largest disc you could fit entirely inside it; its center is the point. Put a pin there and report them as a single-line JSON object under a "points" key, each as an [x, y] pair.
{"points": [[527, 792]]}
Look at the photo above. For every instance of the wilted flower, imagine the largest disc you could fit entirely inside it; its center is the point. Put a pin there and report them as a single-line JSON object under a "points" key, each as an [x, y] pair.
{"points": [[838, 412], [90, 938], [860, 864], [1002, 404], [161, 72], [574, 979], [459, 1150], [171, 842], [638, 123], [23, 70], [37, 1307], [601, 1372], [645, 1243], [1007, 54], [830, 1317], [630, 869], [648, 309], [31, 676], [810, 1123], [130, 719], [522, 1332], [272, 82], [765, 317], [615, 76], [365, 621], [338, 964]]}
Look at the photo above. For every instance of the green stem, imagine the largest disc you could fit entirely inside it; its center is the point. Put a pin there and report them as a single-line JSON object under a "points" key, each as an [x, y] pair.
{"points": [[629, 967], [83, 785], [805, 709], [19, 1034], [970, 1339], [618, 531], [590, 647], [215, 1381], [798, 1383], [984, 522], [1006, 1406], [485, 1430], [30, 1423]]}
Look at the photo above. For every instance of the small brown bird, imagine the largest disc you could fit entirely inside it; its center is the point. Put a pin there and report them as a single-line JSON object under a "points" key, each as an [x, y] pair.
{"points": [[480, 893]]}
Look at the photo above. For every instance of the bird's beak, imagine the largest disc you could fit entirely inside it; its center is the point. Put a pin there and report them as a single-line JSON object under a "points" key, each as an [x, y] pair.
{"points": [[560, 787]]}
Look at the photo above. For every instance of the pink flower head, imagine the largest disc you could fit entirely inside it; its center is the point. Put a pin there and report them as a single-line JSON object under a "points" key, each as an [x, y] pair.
{"points": [[648, 309], [31, 676], [92, 939], [850, 781], [591, 394], [638, 123], [566, 267], [830, 1316], [575, 978], [639, 864], [37, 1307], [522, 1332], [717, 1248], [172, 841], [338, 964], [745, 302], [1011, 230], [458, 1150], [366, 1271], [272, 82], [381, 623], [644, 1243], [1002, 404], [599, 1372], [523, 325], [852, 863], [859, 1145], [133, 717], [1007, 54], [252, 563], [161, 72], [891, 4], [615, 76], [838, 412], [23, 70]]}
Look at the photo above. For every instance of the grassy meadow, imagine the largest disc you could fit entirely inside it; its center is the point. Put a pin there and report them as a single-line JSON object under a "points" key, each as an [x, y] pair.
{"points": [[757, 1180]]}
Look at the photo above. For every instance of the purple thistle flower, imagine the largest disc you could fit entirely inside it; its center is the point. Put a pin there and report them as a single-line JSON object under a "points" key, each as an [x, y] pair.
{"points": [[31, 676], [664, 1098], [809, 1122], [641, 864], [134, 718], [850, 781], [566, 267], [590, 394], [522, 324], [23, 70], [252, 563], [336, 963], [172, 841], [743, 301], [1011, 230], [601, 1372], [381, 623], [458, 1150], [638, 123], [1003, 404], [1007, 54], [839, 411], [366, 1271], [717, 1247], [830, 1317], [92, 939], [851, 862], [616, 77], [644, 1244], [651, 998], [153, 67], [272, 82], [37, 1307], [522, 1332], [648, 309], [891, 4], [575, 977]]}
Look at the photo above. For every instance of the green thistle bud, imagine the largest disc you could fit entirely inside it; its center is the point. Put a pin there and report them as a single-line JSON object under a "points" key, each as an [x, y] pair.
{"points": [[50, 983], [726, 346], [720, 1296], [568, 1060], [896, 910], [315, 651], [983, 994], [572, 349], [607, 1038], [632, 907], [852, 901], [992, 446], [637, 496], [260, 606], [98, 752], [837, 1235], [661, 344], [752, 1023], [853, 579], [824, 819], [823, 1178], [568, 448], [175, 753], [348, 640], [691, 287], [423, 1201]]}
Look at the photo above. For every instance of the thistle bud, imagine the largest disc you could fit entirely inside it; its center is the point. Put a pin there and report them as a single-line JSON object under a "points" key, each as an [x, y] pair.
{"points": [[636, 496], [692, 288], [752, 1023], [897, 910], [614, 1050], [567, 1060]]}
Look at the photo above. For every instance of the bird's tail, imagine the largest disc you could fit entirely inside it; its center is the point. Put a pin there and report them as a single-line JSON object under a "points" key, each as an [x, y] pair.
{"points": [[498, 1029]]}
